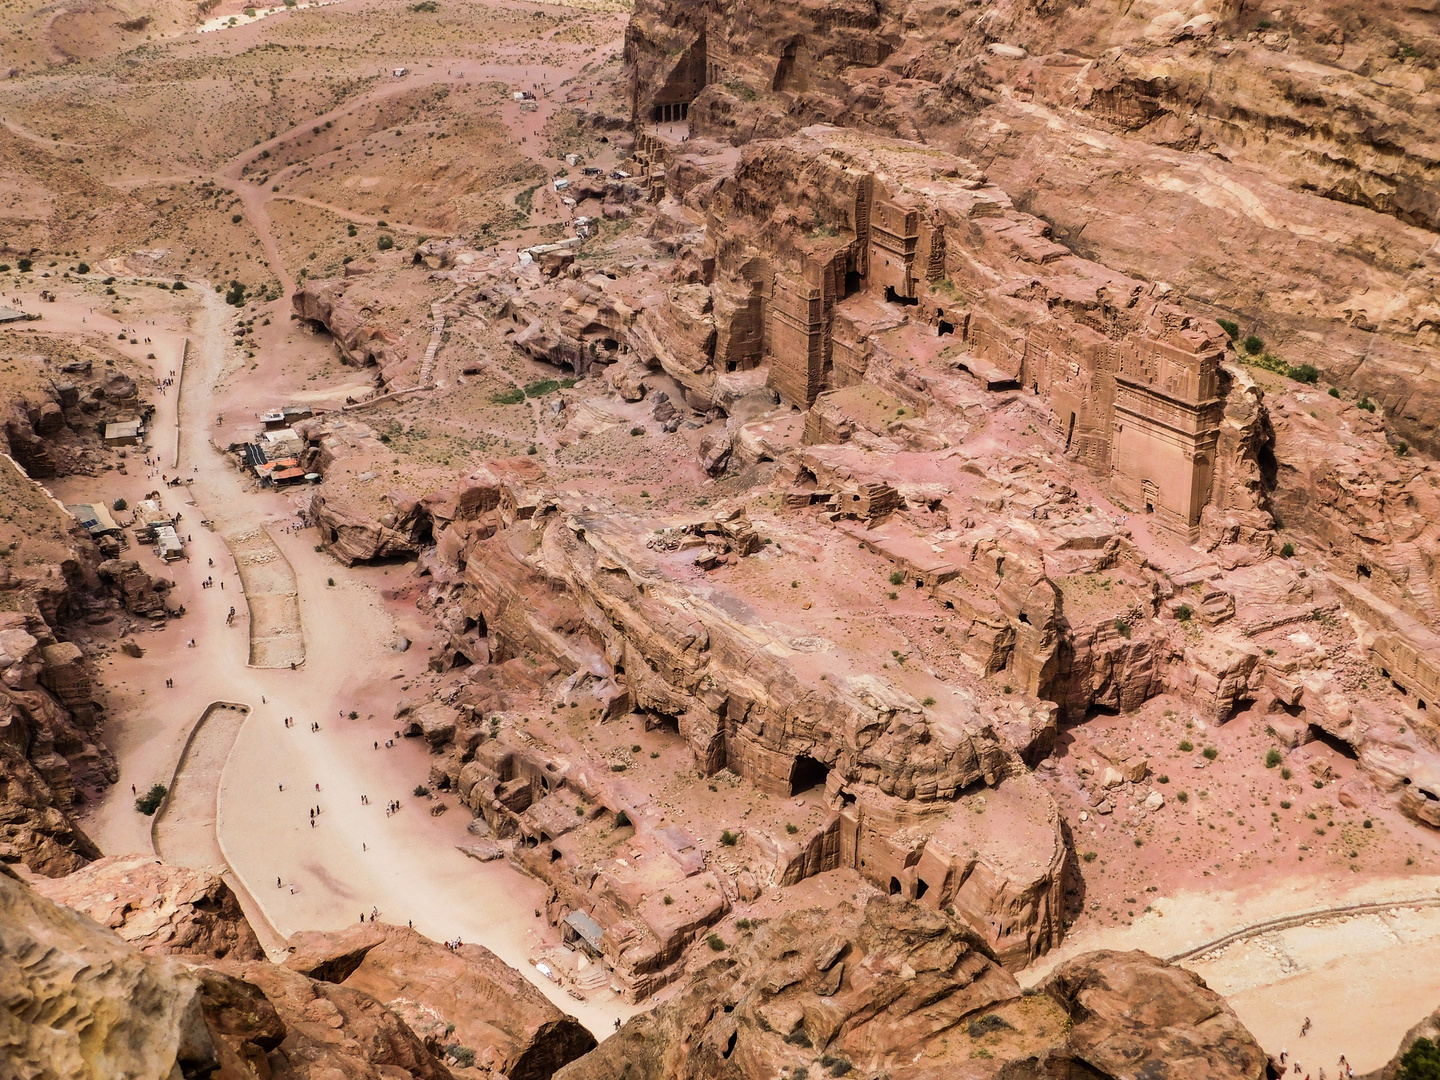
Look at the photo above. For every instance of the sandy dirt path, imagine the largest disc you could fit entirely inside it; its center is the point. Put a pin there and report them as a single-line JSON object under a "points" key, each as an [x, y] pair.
{"points": [[355, 857], [1362, 980]]}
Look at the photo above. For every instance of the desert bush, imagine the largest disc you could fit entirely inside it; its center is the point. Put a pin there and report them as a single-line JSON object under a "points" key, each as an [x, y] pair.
{"points": [[1253, 344], [1420, 1062], [1272, 758], [1231, 328], [716, 942], [148, 803], [421, 791], [728, 838], [897, 578], [1288, 551], [385, 243]]}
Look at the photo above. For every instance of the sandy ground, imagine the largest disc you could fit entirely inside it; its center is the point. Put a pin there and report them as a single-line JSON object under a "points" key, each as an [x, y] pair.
{"points": [[1363, 981], [406, 865]]}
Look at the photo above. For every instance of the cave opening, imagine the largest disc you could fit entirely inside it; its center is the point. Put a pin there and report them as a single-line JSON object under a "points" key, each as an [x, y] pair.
{"points": [[921, 887], [894, 886], [807, 773], [1340, 746], [894, 297]]}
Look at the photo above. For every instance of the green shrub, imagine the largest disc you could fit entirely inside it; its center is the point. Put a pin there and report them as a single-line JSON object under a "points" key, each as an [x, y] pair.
{"points": [[421, 791], [791, 828], [513, 396], [1288, 551], [1272, 758], [119, 504], [1231, 328], [1364, 403], [235, 219], [350, 230], [460, 1055], [637, 430], [622, 819], [1162, 779], [1306, 373], [668, 900], [1334, 391], [24, 265], [235, 297], [1210, 753], [1087, 856], [716, 942], [927, 702], [425, 6], [541, 388], [1183, 796], [897, 578], [1183, 613], [728, 838], [1286, 773], [385, 243], [148, 803], [83, 268], [1122, 626], [1186, 746], [1253, 344], [1285, 804], [1420, 1062]]}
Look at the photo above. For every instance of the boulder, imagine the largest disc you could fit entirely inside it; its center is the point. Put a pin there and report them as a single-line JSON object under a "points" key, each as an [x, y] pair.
{"points": [[352, 534], [901, 991], [493, 1009], [160, 909]]}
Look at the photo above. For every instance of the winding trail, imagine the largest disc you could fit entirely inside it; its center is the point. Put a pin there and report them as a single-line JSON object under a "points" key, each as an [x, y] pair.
{"points": [[301, 871]]}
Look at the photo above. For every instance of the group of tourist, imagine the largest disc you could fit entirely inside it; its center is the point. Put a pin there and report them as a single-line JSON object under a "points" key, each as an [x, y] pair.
{"points": [[1345, 1070]]}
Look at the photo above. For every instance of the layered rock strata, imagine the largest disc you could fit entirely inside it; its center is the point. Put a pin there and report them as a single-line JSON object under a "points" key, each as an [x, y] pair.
{"points": [[901, 991]]}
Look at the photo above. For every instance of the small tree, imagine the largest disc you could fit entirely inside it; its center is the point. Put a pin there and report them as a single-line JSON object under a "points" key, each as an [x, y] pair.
{"points": [[1288, 551], [1253, 344], [1420, 1062], [728, 838], [1272, 758], [385, 243], [148, 803]]}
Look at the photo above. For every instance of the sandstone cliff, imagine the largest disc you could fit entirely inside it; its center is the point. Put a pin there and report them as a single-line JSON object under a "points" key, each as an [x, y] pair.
{"points": [[159, 909], [900, 991], [1150, 137], [465, 996]]}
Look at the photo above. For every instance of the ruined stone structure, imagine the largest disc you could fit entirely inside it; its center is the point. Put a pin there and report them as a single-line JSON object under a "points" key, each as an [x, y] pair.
{"points": [[1133, 382]]}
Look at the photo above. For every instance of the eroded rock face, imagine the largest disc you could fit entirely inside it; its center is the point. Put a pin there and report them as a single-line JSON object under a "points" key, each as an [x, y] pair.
{"points": [[1214, 130], [158, 908], [334, 1031], [46, 749], [85, 1004], [353, 534], [359, 340], [905, 992], [1134, 1015], [493, 1010]]}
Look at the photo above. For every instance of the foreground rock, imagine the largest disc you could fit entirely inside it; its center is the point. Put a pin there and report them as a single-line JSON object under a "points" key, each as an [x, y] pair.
{"points": [[454, 998], [158, 908], [82, 1003], [904, 992]]}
